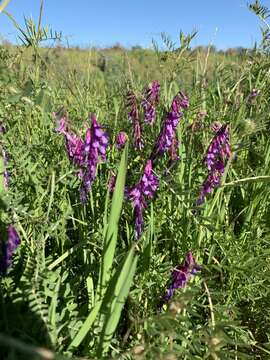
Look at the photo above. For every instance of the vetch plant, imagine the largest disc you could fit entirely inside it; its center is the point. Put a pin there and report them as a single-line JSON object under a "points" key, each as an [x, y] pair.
{"points": [[166, 139], [85, 154], [151, 99], [180, 276], [145, 188], [218, 152], [7, 247]]}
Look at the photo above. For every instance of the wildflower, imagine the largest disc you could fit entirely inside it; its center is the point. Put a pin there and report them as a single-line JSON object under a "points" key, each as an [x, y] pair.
{"points": [[8, 248], [121, 139], [87, 153], [145, 188], [134, 117], [180, 276], [218, 152], [219, 148], [151, 98], [167, 133], [74, 144], [94, 149]]}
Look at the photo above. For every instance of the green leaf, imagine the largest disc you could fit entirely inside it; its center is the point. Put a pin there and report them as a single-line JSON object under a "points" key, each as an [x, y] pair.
{"points": [[110, 240], [115, 298], [112, 227]]}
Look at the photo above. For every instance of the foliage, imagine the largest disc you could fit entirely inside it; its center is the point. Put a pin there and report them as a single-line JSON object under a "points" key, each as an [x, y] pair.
{"points": [[79, 285]]}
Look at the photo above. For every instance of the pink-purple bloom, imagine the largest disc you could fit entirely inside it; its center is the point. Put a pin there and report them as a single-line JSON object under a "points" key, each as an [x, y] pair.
{"points": [[180, 276], [121, 140], [145, 188], [8, 247], [218, 152], [151, 98], [85, 154], [167, 133]]}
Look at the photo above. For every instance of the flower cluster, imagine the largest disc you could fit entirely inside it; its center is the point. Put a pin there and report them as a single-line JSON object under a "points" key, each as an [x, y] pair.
{"points": [[87, 153], [145, 188], [151, 98], [218, 152], [167, 134], [121, 140], [180, 276], [7, 248]]}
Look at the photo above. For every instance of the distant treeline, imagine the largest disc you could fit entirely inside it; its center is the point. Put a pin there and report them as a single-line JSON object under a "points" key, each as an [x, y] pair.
{"points": [[239, 50]]}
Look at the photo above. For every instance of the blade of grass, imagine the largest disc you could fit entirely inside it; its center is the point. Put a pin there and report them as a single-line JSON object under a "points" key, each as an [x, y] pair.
{"points": [[115, 298], [108, 250]]}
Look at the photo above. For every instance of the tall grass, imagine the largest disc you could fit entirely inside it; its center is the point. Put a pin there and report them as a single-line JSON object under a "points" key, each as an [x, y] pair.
{"points": [[79, 284]]}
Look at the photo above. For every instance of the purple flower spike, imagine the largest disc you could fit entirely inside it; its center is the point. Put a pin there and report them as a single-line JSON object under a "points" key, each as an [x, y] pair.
{"points": [[121, 140], [85, 154], [149, 181], [151, 98], [218, 152], [145, 188], [167, 133], [180, 276], [8, 248], [94, 149]]}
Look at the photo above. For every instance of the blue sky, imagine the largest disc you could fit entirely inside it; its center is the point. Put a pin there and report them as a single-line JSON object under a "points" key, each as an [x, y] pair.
{"points": [[225, 23]]}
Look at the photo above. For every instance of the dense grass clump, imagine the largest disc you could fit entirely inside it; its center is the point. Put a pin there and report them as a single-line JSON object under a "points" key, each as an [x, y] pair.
{"points": [[166, 255]]}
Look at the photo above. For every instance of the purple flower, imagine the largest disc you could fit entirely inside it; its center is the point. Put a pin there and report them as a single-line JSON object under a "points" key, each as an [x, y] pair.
{"points": [[8, 247], [167, 133], [85, 154], [94, 149], [149, 181], [145, 188], [218, 152], [151, 98], [180, 276], [121, 139], [134, 118], [219, 147], [74, 144]]}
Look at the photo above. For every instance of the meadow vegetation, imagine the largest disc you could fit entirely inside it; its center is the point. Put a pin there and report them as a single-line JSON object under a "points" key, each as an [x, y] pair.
{"points": [[81, 285]]}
